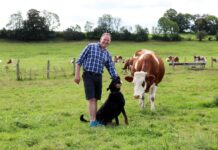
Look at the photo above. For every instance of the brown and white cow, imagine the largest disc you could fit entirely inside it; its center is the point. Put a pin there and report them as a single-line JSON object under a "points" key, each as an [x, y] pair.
{"points": [[118, 59], [172, 59], [200, 59], [147, 72], [214, 60], [142, 51], [128, 64]]}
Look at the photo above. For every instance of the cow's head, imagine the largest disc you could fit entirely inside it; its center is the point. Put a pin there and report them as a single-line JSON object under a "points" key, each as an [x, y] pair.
{"points": [[142, 82]]}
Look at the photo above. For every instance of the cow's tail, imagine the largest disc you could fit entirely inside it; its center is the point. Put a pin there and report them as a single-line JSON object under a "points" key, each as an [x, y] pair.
{"points": [[83, 119]]}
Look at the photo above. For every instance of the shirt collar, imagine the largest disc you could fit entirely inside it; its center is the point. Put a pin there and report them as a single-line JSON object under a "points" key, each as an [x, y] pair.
{"points": [[103, 49]]}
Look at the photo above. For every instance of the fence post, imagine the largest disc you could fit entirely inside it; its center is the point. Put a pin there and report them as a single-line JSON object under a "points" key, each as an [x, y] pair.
{"points": [[212, 62], [185, 66], [48, 69], [74, 66], [30, 74], [18, 70]]}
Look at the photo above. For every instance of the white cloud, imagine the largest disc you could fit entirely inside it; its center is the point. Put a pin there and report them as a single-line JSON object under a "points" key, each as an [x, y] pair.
{"points": [[132, 12]]}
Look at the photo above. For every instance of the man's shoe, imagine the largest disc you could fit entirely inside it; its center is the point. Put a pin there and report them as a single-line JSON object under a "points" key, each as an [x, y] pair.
{"points": [[93, 123]]}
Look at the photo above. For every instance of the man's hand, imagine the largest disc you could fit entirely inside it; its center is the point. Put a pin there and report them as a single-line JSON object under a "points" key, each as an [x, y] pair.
{"points": [[77, 74], [77, 79]]}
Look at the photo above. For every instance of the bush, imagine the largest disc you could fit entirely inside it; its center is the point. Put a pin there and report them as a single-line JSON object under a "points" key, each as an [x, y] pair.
{"points": [[214, 103], [167, 37], [73, 35], [216, 36], [210, 38]]}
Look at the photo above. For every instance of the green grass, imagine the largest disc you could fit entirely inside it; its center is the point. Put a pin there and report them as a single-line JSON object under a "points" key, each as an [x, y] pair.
{"points": [[44, 114]]}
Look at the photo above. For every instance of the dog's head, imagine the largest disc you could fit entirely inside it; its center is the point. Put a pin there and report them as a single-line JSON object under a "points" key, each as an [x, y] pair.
{"points": [[115, 85]]}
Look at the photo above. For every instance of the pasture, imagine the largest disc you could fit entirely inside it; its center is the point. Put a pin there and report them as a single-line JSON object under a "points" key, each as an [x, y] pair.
{"points": [[44, 114]]}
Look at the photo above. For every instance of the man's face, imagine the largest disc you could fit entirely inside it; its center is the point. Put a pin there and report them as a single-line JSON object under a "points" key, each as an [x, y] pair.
{"points": [[105, 41]]}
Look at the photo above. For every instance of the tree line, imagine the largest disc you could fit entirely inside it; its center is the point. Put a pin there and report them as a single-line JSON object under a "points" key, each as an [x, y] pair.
{"points": [[40, 26]]}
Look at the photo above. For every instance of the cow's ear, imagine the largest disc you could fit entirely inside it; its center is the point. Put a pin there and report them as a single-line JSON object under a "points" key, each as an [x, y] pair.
{"points": [[129, 78], [150, 78]]}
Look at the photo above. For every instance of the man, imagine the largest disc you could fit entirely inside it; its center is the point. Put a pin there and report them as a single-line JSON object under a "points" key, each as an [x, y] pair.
{"points": [[93, 59]]}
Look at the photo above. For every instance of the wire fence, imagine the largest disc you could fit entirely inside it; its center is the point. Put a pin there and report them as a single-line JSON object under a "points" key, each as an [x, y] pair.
{"points": [[49, 71]]}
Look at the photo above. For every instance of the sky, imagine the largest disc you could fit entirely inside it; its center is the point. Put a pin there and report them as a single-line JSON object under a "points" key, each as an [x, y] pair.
{"points": [[131, 12]]}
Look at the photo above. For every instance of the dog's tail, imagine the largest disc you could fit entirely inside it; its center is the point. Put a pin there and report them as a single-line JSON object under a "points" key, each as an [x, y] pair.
{"points": [[82, 119]]}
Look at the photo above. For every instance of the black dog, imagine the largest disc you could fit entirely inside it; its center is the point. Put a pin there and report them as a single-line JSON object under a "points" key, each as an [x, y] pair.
{"points": [[113, 106]]}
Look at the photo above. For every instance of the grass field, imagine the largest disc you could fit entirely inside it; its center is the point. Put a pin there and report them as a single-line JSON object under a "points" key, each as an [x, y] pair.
{"points": [[44, 114]]}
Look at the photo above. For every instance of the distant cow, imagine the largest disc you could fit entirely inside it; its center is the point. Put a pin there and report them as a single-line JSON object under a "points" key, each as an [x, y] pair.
{"points": [[172, 59], [118, 59], [200, 59], [8, 64], [214, 60], [147, 72], [128, 64], [10, 61]]}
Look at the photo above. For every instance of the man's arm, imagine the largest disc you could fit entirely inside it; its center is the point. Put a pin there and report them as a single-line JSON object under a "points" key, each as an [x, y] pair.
{"points": [[110, 67], [79, 63], [77, 74]]}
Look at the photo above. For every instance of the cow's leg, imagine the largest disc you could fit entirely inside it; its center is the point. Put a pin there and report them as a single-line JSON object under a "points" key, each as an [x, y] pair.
{"points": [[141, 101], [152, 96]]}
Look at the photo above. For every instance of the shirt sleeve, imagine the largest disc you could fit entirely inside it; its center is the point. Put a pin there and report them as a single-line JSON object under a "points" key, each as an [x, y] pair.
{"points": [[110, 67], [83, 55]]}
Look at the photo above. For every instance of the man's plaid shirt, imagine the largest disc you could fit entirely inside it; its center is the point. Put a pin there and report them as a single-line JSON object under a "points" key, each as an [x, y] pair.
{"points": [[94, 58]]}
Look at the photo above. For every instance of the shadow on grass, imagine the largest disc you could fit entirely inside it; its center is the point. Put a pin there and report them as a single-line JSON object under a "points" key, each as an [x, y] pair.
{"points": [[212, 104]]}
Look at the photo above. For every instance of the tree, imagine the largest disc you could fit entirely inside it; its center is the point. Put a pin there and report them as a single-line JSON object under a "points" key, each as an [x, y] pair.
{"points": [[88, 26], [73, 34], [141, 33], [201, 35], [16, 21], [212, 24], [117, 23], [125, 33], [171, 14], [201, 24], [106, 23], [51, 19], [184, 22], [35, 27], [76, 28], [167, 26]]}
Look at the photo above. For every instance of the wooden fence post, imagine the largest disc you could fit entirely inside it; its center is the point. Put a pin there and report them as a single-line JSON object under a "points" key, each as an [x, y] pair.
{"points": [[185, 66], [212, 62], [30, 74], [18, 70], [74, 65], [48, 69]]}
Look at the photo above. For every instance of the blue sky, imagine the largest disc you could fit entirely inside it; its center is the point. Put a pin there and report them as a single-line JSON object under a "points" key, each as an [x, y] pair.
{"points": [[143, 12]]}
